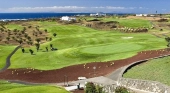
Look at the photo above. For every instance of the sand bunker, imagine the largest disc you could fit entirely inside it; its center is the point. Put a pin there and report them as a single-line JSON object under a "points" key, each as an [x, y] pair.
{"points": [[127, 37]]}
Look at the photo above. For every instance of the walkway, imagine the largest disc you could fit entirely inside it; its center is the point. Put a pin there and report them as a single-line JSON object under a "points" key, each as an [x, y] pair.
{"points": [[8, 62]]}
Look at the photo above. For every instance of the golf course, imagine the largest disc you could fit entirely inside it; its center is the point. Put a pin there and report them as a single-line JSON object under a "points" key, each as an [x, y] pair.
{"points": [[73, 44]]}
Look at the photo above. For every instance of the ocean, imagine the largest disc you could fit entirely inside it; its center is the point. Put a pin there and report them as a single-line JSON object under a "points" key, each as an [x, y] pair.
{"points": [[36, 15]]}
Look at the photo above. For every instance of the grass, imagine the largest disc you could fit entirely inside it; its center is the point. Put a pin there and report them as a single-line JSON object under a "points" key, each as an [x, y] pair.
{"points": [[155, 70], [6, 87], [78, 45], [131, 23], [14, 26], [4, 52]]}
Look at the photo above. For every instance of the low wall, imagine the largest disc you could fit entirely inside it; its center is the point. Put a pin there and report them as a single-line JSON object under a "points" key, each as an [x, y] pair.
{"points": [[111, 88], [146, 85]]}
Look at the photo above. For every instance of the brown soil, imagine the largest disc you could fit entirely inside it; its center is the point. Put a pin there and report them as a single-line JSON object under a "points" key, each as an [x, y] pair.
{"points": [[98, 24], [144, 18], [27, 35], [73, 72]]}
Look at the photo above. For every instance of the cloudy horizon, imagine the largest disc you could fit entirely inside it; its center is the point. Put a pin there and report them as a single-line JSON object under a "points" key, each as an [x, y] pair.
{"points": [[83, 6], [63, 9]]}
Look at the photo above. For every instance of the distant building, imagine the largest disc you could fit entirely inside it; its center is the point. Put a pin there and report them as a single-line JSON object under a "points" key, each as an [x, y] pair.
{"points": [[145, 14], [66, 18], [141, 15], [98, 14]]}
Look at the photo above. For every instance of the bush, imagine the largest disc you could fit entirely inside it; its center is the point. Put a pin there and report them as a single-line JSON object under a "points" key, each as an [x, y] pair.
{"points": [[91, 88], [121, 89]]}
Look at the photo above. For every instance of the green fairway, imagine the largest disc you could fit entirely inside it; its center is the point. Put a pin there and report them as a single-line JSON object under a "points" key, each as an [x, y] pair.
{"points": [[111, 48], [77, 45], [155, 70], [131, 23], [6, 87], [14, 26]]}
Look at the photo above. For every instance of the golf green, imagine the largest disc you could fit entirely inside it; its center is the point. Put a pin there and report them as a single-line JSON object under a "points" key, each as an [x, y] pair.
{"points": [[111, 48]]}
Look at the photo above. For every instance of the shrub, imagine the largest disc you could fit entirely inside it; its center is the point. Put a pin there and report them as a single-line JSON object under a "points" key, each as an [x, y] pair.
{"points": [[121, 89], [91, 88]]}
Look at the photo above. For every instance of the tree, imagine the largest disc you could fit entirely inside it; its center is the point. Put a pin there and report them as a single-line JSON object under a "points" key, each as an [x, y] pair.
{"points": [[99, 89], [50, 39], [20, 41], [90, 88], [31, 42], [54, 34], [31, 51], [28, 37], [38, 40], [23, 50], [13, 38], [46, 49], [8, 38], [46, 38], [51, 45], [37, 46], [29, 26], [45, 30], [25, 35], [168, 40], [40, 32]]}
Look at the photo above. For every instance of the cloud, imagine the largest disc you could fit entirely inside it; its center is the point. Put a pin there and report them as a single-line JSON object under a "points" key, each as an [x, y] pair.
{"points": [[45, 9], [67, 9], [115, 8]]}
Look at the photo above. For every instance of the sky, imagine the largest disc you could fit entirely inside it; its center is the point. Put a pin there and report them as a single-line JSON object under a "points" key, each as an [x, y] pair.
{"points": [[87, 6]]}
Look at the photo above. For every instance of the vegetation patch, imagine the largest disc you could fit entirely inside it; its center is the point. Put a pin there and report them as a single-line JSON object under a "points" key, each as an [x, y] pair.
{"points": [[111, 48], [64, 45], [6, 87], [4, 52], [154, 70]]}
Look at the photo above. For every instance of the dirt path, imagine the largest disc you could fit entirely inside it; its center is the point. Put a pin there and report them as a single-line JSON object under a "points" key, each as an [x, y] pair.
{"points": [[8, 63], [73, 72]]}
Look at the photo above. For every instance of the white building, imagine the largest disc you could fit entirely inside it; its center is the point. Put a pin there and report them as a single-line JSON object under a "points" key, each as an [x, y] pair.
{"points": [[145, 14], [141, 14], [98, 14], [66, 18]]}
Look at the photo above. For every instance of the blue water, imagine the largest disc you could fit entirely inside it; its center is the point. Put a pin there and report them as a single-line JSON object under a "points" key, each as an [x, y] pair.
{"points": [[41, 15], [36, 15]]}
